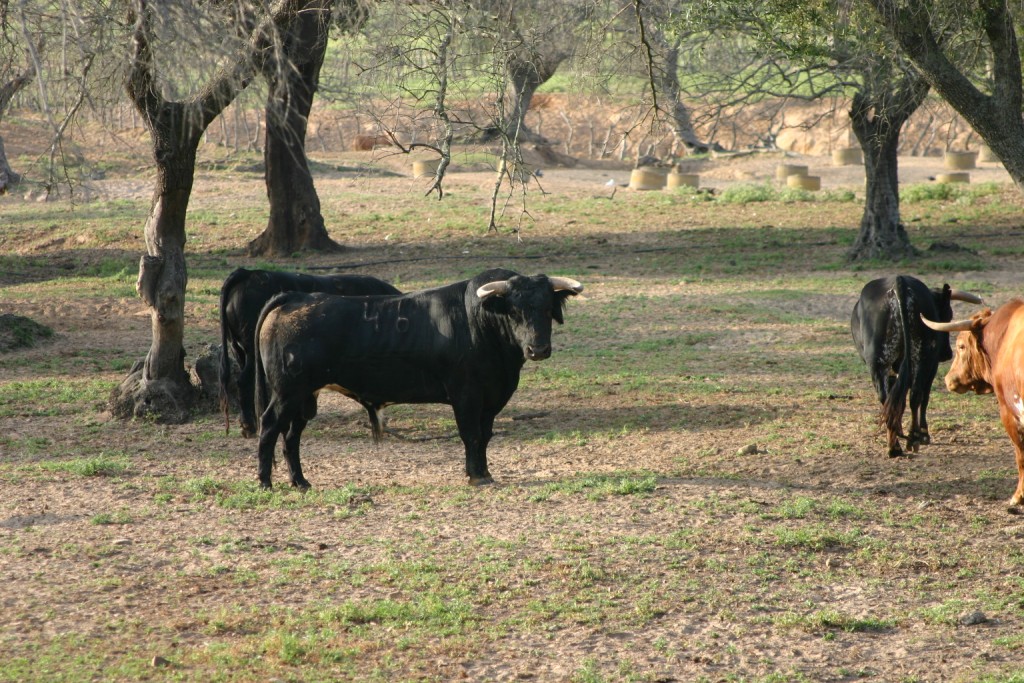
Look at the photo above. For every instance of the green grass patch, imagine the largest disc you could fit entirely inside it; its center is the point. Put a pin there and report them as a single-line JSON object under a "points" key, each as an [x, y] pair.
{"points": [[829, 619], [53, 396], [819, 538], [104, 465], [598, 487]]}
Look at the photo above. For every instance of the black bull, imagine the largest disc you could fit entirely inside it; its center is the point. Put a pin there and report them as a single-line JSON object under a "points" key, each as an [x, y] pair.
{"points": [[242, 296], [902, 354], [463, 344]]}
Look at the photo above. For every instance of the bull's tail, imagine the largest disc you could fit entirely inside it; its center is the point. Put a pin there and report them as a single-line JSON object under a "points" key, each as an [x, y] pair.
{"points": [[261, 373], [225, 360], [896, 399]]}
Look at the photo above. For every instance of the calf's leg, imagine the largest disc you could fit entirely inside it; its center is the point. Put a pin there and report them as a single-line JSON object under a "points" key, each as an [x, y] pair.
{"points": [[247, 395], [883, 380], [291, 453], [272, 424], [919, 395]]}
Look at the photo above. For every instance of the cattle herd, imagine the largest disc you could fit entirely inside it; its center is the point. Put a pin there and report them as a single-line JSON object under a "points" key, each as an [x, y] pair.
{"points": [[464, 344]]}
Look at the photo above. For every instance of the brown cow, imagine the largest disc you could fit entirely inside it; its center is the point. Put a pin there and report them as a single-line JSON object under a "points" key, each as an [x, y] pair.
{"points": [[990, 359], [366, 143]]}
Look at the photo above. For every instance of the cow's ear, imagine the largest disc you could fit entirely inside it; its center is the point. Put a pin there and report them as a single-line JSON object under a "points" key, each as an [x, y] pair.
{"points": [[559, 307], [496, 304]]}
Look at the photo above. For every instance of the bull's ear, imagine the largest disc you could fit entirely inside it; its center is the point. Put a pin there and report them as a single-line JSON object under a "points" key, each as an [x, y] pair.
{"points": [[496, 304], [558, 309]]}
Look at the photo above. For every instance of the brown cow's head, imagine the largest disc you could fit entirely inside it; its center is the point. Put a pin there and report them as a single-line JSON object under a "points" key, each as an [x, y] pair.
{"points": [[971, 369]]}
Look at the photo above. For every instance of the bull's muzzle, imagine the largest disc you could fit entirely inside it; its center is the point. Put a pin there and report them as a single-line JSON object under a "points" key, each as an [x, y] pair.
{"points": [[538, 352]]}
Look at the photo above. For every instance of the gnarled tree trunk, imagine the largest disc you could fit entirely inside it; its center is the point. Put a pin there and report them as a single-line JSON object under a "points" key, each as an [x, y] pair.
{"points": [[295, 222], [877, 116], [526, 73]]}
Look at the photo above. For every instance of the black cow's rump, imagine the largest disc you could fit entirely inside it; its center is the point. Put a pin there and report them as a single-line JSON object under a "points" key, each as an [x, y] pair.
{"points": [[901, 352], [463, 344], [242, 296]]}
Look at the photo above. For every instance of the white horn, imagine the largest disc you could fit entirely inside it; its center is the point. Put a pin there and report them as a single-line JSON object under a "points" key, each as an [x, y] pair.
{"points": [[957, 295], [496, 288], [566, 283], [955, 326]]}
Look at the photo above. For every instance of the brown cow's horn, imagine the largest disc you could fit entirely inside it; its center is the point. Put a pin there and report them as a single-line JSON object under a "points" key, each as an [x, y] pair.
{"points": [[957, 295], [566, 283], [955, 326], [496, 288]]}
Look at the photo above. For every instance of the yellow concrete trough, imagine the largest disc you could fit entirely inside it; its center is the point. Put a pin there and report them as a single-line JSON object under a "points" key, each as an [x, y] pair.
{"points": [[423, 169], [646, 179], [960, 161], [674, 180], [847, 156], [811, 183], [783, 171]]}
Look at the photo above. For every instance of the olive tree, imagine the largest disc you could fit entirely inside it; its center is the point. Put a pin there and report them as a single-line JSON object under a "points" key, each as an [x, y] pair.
{"points": [[827, 48], [969, 54]]}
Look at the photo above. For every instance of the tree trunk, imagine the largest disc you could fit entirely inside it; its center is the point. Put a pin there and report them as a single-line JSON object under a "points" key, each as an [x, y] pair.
{"points": [[882, 235], [7, 175], [295, 222], [668, 82], [7, 92], [160, 386], [877, 115], [525, 76]]}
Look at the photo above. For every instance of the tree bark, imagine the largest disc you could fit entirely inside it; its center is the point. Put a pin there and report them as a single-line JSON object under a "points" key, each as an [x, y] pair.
{"points": [[877, 116], [295, 222], [996, 117]]}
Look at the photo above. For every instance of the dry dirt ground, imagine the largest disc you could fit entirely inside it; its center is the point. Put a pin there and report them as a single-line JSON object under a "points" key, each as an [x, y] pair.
{"points": [[768, 538]]}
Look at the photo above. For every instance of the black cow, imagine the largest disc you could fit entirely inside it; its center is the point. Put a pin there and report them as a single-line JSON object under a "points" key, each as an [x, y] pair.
{"points": [[463, 344], [900, 351], [242, 297]]}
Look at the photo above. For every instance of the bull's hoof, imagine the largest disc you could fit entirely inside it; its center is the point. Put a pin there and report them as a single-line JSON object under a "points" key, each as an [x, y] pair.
{"points": [[924, 439], [248, 432], [481, 481], [896, 452], [301, 484], [1015, 503], [266, 485]]}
